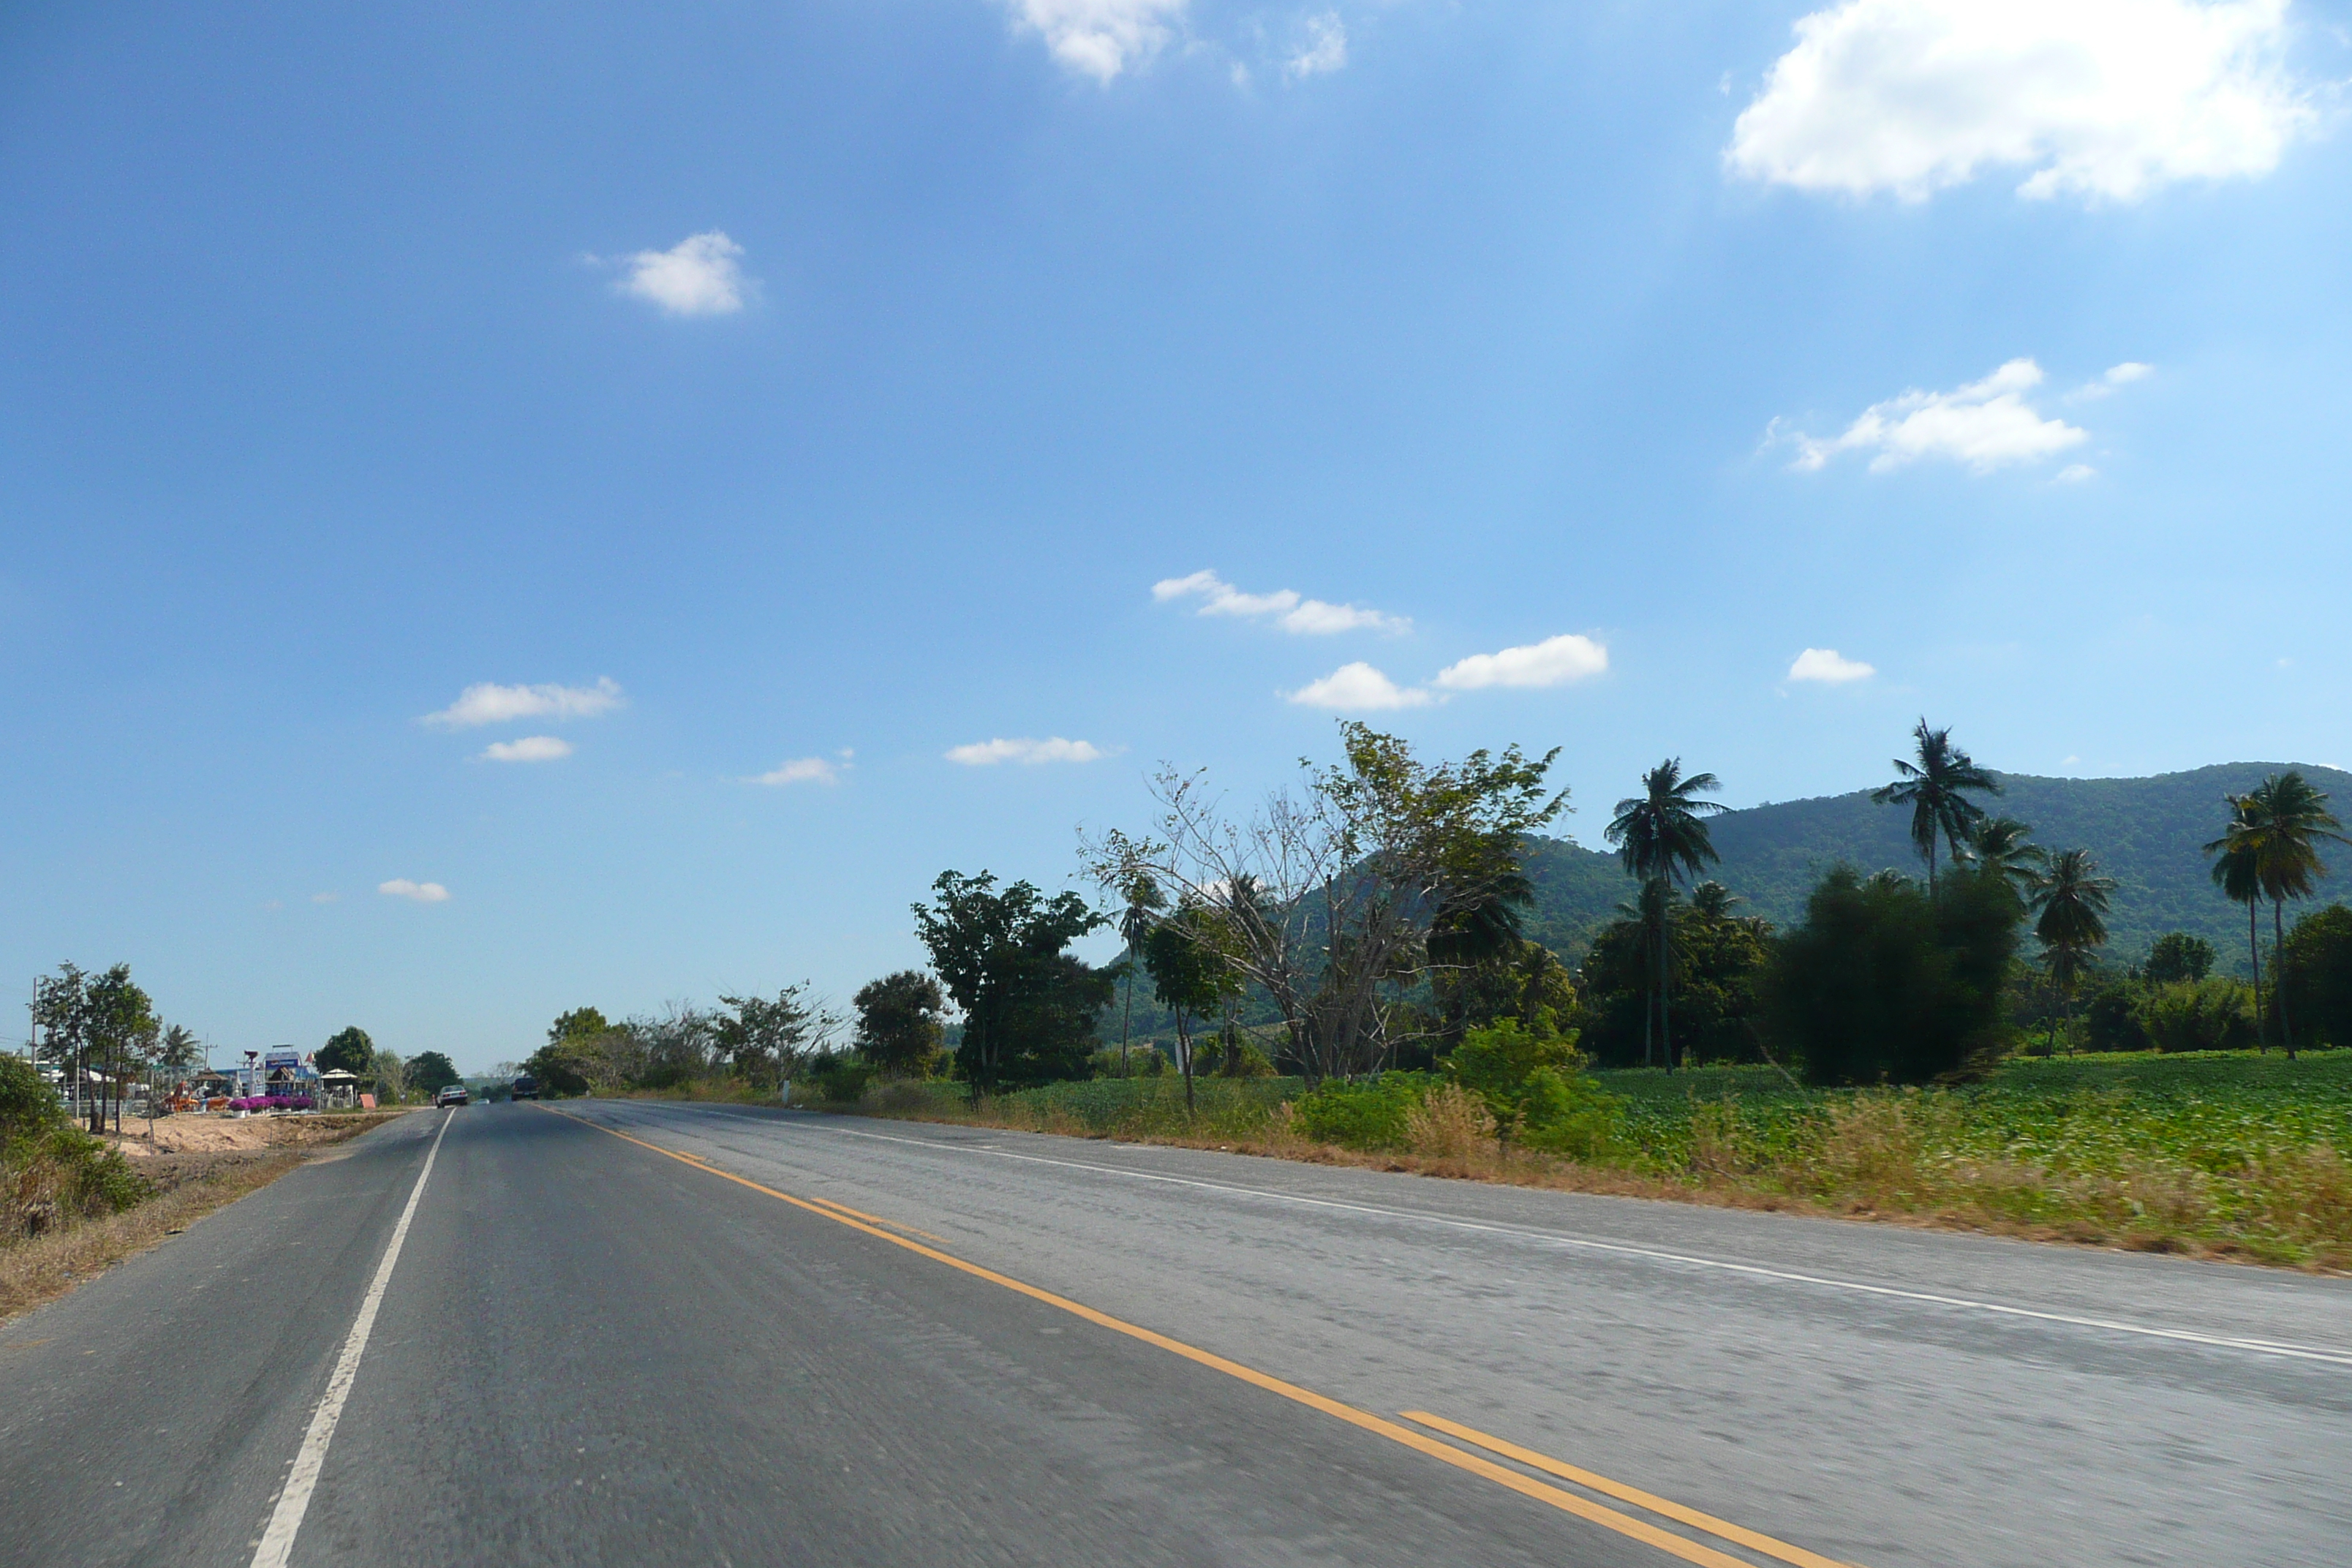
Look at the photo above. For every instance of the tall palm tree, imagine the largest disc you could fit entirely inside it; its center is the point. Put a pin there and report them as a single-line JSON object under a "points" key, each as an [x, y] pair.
{"points": [[2005, 847], [1937, 789], [1144, 902], [1661, 835], [2072, 902], [2293, 821], [2238, 872]]}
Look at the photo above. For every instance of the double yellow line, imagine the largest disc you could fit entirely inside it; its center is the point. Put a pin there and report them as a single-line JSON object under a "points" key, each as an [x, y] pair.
{"points": [[1641, 1529]]}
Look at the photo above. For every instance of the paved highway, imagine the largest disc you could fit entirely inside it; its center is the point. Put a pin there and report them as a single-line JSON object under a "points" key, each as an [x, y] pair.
{"points": [[625, 1332]]}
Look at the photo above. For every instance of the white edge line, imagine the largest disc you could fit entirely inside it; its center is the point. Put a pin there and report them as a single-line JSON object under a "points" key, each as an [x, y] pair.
{"points": [[2186, 1336], [294, 1498]]}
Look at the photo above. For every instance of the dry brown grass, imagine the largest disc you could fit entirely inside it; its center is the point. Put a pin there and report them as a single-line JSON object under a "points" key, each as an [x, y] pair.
{"points": [[187, 1187]]}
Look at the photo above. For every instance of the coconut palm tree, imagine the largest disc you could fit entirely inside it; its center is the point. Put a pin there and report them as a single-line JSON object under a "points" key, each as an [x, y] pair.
{"points": [[1661, 836], [2238, 872], [2005, 847], [1937, 789], [2072, 901], [2292, 822], [1144, 902]]}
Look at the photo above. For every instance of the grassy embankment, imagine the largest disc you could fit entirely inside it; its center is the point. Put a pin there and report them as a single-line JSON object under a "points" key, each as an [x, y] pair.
{"points": [[2221, 1154], [63, 1221]]}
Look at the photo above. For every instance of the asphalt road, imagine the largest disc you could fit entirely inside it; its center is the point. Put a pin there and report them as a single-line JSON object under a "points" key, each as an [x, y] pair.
{"points": [[643, 1333]]}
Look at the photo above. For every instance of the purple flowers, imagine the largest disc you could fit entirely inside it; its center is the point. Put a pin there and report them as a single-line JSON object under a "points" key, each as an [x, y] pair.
{"points": [[272, 1102]]}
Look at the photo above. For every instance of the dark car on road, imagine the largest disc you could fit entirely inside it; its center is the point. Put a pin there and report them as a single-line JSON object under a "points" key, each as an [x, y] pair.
{"points": [[525, 1087]]}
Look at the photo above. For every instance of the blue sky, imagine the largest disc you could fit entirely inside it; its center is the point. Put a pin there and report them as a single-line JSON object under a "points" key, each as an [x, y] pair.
{"points": [[705, 394]]}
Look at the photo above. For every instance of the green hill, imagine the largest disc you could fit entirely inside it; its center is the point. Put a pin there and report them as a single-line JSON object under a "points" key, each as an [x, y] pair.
{"points": [[2145, 833]]}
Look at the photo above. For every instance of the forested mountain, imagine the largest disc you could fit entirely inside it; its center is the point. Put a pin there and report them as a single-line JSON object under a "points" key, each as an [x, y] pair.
{"points": [[2147, 834]]}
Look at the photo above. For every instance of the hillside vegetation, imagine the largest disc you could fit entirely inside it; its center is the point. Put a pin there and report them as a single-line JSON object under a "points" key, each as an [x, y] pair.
{"points": [[2147, 833]]}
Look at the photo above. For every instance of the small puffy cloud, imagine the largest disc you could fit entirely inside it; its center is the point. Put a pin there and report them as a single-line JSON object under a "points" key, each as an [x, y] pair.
{"points": [[1357, 688], [489, 703], [701, 275], [418, 892], [1830, 667], [802, 770], [325, 898], [2075, 473], [1552, 662], [1284, 608], [1100, 38], [2110, 99], [529, 749], [1324, 51], [987, 753], [1986, 423], [2123, 375]]}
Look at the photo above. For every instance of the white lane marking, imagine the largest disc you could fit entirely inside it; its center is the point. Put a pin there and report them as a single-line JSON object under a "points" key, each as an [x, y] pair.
{"points": [[294, 1500], [2186, 1336]]}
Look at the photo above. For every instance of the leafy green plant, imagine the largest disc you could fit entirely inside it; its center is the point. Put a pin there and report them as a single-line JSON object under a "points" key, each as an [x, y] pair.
{"points": [[2200, 1016]]}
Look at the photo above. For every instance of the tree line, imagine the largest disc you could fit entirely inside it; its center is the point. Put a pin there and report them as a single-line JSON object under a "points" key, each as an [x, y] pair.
{"points": [[1372, 916]]}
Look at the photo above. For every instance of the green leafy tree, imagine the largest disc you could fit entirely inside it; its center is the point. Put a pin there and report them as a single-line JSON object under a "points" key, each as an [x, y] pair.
{"points": [[2314, 972], [578, 1024], [62, 1022], [179, 1050], [900, 1022], [1001, 956], [1936, 788], [430, 1073], [2111, 1021], [1143, 902], [1531, 1079], [1885, 982], [2177, 955], [2292, 822], [1191, 974], [2070, 907], [1661, 837], [122, 1026], [348, 1050]]}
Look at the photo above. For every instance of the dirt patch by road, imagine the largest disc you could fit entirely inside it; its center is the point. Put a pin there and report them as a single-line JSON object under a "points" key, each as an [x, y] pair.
{"points": [[207, 1164]]}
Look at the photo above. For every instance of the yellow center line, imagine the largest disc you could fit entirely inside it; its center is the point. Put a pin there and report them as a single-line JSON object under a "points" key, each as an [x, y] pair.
{"points": [[1623, 1493], [1567, 1502]]}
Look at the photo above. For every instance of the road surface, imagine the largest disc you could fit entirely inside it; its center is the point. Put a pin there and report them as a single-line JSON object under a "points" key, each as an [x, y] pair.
{"points": [[609, 1332]]}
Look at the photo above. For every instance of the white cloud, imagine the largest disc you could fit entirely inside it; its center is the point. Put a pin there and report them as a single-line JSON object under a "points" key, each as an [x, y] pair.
{"points": [[1285, 607], [701, 275], [1829, 666], [529, 749], [1357, 688], [2075, 473], [987, 753], [802, 770], [1549, 662], [1325, 50], [489, 703], [2107, 98], [1100, 38], [2123, 375], [422, 892], [325, 898], [1986, 423]]}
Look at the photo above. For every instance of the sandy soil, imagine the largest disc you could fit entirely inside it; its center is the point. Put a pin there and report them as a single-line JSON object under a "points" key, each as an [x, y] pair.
{"points": [[187, 1135]]}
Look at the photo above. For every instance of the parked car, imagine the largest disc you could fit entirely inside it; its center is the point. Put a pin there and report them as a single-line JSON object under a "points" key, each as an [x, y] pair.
{"points": [[525, 1087], [453, 1095]]}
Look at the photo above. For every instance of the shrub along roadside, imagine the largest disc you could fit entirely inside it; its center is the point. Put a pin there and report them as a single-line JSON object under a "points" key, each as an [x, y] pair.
{"points": [[52, 1174], [2222, 1154]]}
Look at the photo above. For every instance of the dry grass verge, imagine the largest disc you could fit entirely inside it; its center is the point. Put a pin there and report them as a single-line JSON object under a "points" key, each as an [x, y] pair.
{"points": [[186, 1187]]}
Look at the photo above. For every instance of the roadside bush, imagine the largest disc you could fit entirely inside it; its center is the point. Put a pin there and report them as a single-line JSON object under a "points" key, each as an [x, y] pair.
{"points": [[51, 1172], [1532, 1081], [1885, 984], [2112, 1022], [2200, 1016], [1370, 1114], [2315, 972], [838, 1079]]}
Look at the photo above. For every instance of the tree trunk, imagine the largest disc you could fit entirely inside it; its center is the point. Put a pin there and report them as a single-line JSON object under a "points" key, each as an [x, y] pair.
{"points": [[2255, 948], [1185, 1058], [1665, 984], [1127, 1017], [2278, 974]]}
